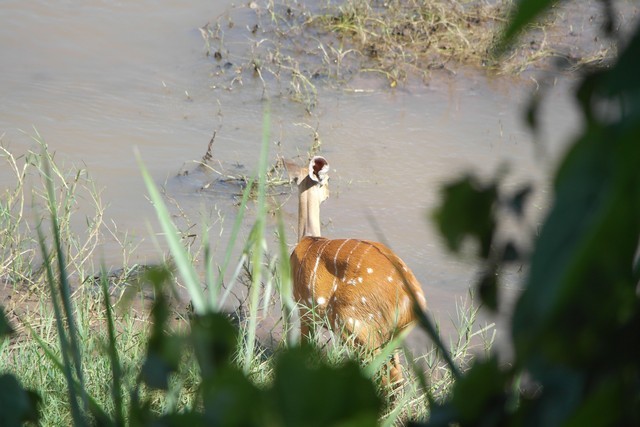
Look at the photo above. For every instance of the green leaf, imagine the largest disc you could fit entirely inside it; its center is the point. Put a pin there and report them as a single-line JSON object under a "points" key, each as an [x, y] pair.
{"points": [[5, 326], [162, 359], [480, 393], [214, 341], [517, 202], [467, 212], [164, 350], [17, 404], [526, 11], [308, 394], [586, 248], [229, 399], [595, 409], [488, 289]]}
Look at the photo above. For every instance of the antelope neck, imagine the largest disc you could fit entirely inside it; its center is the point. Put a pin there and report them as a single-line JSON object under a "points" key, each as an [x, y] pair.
{"points": [[309, 209]]}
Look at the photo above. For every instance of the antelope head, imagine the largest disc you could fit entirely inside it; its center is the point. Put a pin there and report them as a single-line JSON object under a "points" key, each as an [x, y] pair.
{"points": [[313, 188]]}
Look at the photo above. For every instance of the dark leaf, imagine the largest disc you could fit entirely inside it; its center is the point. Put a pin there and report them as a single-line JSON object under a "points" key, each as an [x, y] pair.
{"points": [[622, 80], [17, 404], [532, 112], [163, 350], [214, 340], [319, 395], [190, 419], [467, 211], [488, 289], [229, 399], [518, 200], [163, 358], [5, 326], [576, 257], [526, 11], [480, 393], [595, 409], [157, 276], [510, 253]]}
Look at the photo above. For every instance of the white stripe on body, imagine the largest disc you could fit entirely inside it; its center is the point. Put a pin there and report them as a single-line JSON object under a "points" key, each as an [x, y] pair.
{"points": [[314, 273], [334, 285], [344, 276]]}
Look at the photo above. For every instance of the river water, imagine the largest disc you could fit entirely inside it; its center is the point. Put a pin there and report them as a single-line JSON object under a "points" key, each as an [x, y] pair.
{"points": [[100, 79]]}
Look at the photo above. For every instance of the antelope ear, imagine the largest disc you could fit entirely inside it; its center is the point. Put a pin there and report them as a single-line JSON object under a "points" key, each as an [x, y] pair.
{"points": [[319, 169], [293, 170]]}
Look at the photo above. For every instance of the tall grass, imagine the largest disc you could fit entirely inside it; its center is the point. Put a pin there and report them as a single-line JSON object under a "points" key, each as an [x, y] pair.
{"points": [[94, 359]]}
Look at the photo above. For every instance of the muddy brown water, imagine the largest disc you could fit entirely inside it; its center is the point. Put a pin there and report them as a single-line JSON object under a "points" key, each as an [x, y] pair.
{"points": [[100, 79]]}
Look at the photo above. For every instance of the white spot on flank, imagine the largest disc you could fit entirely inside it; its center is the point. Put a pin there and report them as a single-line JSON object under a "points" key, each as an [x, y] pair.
{"points": [[370, 316], [351, 282], [364, 300], [355, 323], [369, 270], [359, 279], [389, 279], [321, 301]]}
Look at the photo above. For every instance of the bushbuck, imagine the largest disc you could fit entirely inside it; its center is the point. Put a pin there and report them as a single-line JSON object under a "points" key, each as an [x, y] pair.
{"points": [[364, 290]]}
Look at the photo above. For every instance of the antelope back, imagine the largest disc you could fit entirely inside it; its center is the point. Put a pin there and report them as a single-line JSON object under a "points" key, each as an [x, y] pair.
{"points": [[362, 287]]}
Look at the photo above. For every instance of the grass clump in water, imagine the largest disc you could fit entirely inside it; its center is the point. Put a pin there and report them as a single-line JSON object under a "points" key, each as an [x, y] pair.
{"points": [[292, 47]]}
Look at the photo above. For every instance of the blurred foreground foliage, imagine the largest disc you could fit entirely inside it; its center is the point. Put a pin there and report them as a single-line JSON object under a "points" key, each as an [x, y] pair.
{"points": [[575, 326], [227, 397]]}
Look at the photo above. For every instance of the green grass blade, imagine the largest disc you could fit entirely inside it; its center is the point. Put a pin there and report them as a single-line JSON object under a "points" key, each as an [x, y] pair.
{"points": [[65, 366], [232, 239], [94, 407], [234, 277], [285, 285], [69, 346], [65, 289], [179, 253], [116, 371], [209, 279], [258, 243], [441, 350], [385, 354]]}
